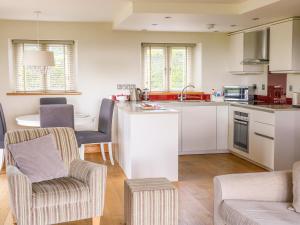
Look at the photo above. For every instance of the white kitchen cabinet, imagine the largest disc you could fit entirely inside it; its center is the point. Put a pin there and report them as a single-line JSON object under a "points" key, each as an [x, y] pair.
{"points": [[199, 134], [222, 127], [285, 47], [236, 56], [262, 144]]}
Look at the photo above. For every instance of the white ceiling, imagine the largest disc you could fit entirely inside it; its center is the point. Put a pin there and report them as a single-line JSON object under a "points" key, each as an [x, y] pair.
{"points": [[186, 15]]}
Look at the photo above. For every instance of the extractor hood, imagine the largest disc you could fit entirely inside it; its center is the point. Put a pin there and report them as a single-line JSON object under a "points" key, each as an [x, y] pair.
{"points": [[256, 47]]}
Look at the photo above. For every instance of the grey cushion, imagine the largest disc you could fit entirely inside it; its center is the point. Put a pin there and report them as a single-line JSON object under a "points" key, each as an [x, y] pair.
{"points": [[242, 212], [2, 127], [57, 116], [58, 100], [87, 137], [39, 158], [296, 187]]}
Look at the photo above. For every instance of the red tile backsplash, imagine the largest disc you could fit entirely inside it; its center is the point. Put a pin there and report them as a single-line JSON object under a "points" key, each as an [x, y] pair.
{"points": [[174, 96]]}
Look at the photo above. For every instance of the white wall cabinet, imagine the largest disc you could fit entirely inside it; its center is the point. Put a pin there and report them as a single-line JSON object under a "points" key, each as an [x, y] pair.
{"points": [[199, 126], [285, 47], [236, 56]]}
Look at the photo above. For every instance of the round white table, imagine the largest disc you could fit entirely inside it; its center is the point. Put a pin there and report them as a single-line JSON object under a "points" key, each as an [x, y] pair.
{"points": [[81, 121]]}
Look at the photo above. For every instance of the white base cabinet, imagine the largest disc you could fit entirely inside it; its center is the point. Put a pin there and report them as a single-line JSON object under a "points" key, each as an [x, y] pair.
{"points": [[199, 129], [203, 128], [273, 139]]}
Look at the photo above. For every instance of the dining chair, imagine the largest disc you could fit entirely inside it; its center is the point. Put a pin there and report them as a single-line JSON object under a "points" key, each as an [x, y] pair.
{"points": [[104, 133], [57, 115], [49, 101], [2, 133]]}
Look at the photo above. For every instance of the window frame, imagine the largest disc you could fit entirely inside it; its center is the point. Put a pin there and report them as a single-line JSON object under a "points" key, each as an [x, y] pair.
{"points": [[168, 57], [45, 90]]}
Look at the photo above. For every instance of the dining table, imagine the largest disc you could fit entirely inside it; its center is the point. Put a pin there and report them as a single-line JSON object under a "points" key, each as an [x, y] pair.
{"points": [[81, 121]]}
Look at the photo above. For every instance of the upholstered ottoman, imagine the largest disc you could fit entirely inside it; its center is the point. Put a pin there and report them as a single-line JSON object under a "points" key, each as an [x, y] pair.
{"points": [[150, 201]]}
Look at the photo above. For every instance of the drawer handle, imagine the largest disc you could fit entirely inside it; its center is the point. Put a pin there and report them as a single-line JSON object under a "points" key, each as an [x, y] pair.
{"points": [[264, 136]]}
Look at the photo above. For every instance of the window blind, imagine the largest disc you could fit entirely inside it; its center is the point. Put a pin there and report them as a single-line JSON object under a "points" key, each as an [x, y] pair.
{"points": [[167, 67], [60, 78]]}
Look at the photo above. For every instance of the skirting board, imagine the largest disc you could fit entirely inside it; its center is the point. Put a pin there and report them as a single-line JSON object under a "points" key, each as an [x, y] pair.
{"points": [[249, 160], [219, 151]]}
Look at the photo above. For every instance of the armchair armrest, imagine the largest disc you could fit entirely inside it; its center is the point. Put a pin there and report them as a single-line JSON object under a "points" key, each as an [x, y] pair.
{"points": [[266, 186], [20, 191], [94, 175]]}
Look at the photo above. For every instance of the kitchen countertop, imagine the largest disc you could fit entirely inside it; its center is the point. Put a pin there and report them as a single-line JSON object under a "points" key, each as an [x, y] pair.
{"points": [[267, 108], [133, 107]]}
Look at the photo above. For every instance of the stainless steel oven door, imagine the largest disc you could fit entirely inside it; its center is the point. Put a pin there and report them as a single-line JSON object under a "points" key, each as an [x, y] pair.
{"points": [[241, 135]]}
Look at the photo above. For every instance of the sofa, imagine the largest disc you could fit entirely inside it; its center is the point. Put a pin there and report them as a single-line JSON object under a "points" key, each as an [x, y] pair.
{"points": [[254, 199]]}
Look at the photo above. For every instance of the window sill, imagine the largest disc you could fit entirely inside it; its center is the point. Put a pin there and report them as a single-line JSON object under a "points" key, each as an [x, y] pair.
{"points": [[42, 93]]}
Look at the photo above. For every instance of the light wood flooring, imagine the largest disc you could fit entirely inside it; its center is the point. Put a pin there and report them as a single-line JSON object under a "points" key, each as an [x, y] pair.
{"points": [[195, 188]]}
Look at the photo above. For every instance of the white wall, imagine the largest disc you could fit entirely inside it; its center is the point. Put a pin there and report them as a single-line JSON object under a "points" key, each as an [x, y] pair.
{"points": [[107, 57]]}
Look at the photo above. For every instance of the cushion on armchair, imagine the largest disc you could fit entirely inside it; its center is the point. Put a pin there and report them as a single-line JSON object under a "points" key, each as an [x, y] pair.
{"points": [[39, 159], [296, 186]]}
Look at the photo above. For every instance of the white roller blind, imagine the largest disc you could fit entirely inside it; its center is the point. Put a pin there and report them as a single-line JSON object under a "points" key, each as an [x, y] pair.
{"points": [[60, 78], [167, 67]]}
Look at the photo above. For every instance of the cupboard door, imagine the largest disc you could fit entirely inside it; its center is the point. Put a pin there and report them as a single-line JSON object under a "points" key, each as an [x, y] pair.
{"points": [[199, 129], [281, 47], [236, 52], [262, 144], [222, 127]]}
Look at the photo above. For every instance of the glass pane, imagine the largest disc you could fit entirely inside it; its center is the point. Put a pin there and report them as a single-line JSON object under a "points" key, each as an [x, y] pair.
{"points": [[157, 70], [178, 63], [56, 79], [33, 74]]}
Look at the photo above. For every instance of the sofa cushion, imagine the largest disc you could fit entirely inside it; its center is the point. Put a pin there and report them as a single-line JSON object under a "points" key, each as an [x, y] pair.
{"points": [[242, 212], [39, 158], [59, 191], [296, 186]]}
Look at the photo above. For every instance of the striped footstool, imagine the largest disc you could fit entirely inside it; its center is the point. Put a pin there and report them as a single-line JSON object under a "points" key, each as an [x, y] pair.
{"points": [[150, 201]]}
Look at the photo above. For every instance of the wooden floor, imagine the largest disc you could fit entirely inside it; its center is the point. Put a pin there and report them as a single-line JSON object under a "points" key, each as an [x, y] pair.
{"points": [[195, 188]]}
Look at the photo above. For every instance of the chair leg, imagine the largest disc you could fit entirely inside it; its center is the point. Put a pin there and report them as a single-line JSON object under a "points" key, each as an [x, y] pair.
{"points": [[96, 220], [81, 152], [102, 149], [110, 153]]}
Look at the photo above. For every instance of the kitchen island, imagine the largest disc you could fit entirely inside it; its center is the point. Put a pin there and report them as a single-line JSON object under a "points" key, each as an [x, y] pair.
{"points": [[147, 142]]}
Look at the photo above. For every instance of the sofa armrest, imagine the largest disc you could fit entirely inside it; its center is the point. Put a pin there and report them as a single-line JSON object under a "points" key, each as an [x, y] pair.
{"points": [[20, 191], [94, 175], [265, 186]]}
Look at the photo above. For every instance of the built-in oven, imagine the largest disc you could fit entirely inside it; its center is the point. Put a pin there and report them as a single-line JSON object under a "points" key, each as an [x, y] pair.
{"points": [[238, 93], [241, 131]]}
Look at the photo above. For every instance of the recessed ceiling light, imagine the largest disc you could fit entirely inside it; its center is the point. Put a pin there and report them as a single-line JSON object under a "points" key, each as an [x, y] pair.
{"points": [[154, 24], [168, 17], [255, 18]]}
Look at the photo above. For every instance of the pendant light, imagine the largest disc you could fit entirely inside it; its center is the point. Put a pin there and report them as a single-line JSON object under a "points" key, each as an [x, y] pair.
{"points": [[38, 57]]}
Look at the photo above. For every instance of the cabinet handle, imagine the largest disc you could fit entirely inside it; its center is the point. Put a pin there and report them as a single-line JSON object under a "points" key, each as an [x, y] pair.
{"points": [[264, 136]]}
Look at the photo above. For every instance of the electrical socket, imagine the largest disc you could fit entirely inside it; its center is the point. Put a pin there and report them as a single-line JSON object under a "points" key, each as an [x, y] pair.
{"points": [[290, 88], [263, 87]]}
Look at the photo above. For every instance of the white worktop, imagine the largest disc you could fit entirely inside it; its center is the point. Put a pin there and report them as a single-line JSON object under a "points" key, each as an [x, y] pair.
{"points": [[134, 108]]}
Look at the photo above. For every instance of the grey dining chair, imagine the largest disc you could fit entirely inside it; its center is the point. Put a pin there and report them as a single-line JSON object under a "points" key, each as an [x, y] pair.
{"points": [[49, 101], [104, 133], [3, 130], [57, 116]]}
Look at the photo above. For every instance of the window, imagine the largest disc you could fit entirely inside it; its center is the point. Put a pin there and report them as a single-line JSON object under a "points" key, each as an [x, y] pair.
{"points": [[59, 78], [167, 67]]}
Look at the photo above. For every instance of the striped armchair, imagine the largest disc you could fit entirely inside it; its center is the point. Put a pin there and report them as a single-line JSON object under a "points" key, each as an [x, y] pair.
{"points": [[78, 196]]}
